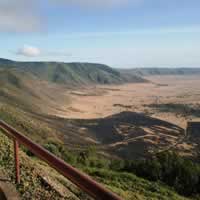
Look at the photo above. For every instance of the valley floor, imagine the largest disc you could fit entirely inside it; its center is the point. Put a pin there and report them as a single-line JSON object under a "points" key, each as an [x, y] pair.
{"points": [[102, 101], [166, 98]]}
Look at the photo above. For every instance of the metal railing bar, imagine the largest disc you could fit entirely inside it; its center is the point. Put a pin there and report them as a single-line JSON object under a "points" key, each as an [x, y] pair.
{"points": [[80, 179]]}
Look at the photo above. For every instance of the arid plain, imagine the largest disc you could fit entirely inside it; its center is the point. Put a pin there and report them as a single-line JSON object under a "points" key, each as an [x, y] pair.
{"points": [[102, 101], [152, 131]]}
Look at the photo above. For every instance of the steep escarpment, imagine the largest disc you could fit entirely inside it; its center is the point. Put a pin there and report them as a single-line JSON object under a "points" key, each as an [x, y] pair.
{"points": [[72, 74]]}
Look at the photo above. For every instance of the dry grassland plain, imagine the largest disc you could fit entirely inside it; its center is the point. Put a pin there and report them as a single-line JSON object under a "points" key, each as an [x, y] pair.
{"points": [[131, 135], [102, 101]]}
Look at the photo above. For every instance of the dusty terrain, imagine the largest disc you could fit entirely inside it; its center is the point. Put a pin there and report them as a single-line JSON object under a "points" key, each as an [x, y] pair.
{"points": [[99, 102], [120, 116]]}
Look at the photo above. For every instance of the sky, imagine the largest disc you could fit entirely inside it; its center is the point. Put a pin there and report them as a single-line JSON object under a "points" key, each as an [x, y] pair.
{"points": [[119, 33]]}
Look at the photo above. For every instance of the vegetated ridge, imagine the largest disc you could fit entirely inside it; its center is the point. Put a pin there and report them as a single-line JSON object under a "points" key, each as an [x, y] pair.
{"points": [[71, 74]]}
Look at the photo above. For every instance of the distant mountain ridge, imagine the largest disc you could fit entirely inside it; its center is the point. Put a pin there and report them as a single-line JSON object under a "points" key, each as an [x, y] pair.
{"points": [[79, 74], [71, 73], [160, 71]]}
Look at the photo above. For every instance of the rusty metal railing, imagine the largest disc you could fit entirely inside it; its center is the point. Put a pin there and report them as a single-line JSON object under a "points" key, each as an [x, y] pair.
{"points": [[80, 179]]}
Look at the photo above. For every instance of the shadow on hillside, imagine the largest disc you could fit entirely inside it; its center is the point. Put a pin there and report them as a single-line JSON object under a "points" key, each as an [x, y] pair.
{"points": [[126, 134], [127, 125], [115, 128]]}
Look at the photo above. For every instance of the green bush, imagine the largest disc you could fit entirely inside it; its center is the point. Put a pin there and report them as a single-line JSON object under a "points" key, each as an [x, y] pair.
{"points": [[183, 175]]}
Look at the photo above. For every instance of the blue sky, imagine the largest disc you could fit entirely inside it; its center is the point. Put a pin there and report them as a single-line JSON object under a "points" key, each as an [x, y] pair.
{"points": [[120, 33]]}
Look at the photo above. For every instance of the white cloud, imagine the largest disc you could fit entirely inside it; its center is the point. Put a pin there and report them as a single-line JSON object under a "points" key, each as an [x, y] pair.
{"points": [[19, 16], [29, 51]]}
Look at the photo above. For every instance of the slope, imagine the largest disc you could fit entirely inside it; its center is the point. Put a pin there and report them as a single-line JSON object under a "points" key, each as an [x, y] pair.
{"points": [[72, 74], [26, 91], [37, 184]]}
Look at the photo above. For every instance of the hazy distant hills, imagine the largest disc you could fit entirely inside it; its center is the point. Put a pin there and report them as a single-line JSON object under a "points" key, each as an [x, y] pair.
{"points": [[79, 74], [71, 73], [160, 71]]}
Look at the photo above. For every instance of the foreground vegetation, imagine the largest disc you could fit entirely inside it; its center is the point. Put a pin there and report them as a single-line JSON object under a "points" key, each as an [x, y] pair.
{"points": [[114, 174], [181, 174], [168, 168], [33, 186]]}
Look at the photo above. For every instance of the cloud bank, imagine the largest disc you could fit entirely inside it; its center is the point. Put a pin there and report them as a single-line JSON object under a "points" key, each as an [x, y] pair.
{"points": [[26, 15], [19, 16]]}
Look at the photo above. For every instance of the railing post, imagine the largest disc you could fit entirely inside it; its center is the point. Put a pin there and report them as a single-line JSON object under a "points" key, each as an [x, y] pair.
{"points": [[83, 181], [17, 167]]}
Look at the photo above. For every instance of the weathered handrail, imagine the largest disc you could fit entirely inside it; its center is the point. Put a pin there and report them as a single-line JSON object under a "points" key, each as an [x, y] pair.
{"points": [[80, 179]]}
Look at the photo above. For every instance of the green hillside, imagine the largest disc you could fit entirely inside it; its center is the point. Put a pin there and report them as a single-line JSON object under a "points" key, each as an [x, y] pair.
{"points": [[71, 74]]}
